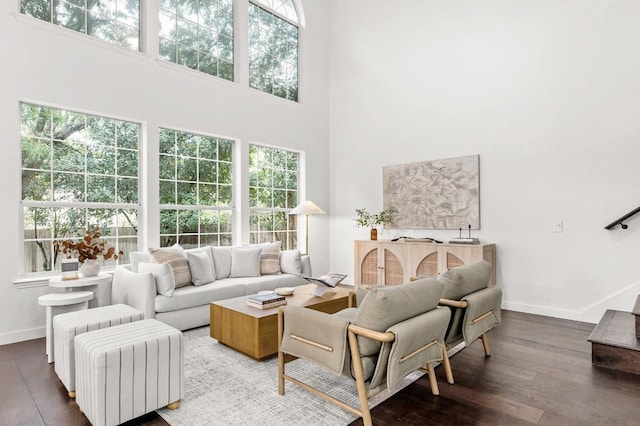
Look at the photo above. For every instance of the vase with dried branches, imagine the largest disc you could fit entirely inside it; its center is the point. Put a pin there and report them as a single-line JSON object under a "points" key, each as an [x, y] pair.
{"points": [[88, 250]]}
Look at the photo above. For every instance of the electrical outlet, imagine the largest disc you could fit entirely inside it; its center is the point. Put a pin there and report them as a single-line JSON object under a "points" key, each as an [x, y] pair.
{"points": [[558, 226]]}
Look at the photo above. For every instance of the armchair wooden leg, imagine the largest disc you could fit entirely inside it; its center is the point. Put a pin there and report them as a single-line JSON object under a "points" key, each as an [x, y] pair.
{"points": [[447, 365], [362, 388], [432, 379], [485, 345]]}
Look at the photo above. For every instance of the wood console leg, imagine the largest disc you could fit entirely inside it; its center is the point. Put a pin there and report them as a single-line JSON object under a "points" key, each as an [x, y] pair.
{"points": [[173, 405]]}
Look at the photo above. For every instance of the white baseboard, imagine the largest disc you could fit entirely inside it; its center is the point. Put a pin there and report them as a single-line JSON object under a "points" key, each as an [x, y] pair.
{"points": [[22, 335], [542, 310], [622, 300]]}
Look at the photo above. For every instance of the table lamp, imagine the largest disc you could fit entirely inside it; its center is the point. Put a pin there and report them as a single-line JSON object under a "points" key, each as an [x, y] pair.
{"points": [[306, 208]]}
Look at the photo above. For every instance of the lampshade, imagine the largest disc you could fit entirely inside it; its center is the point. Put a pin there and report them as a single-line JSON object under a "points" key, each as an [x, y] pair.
{"points": [[307, 207]]}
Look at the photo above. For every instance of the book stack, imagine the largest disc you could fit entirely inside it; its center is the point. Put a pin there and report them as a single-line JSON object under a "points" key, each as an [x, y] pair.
{"points": [[266, 301], [472, 240]]}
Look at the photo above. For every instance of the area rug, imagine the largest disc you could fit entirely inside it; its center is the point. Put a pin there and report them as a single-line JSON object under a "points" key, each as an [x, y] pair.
{"points": [[224, 387]]}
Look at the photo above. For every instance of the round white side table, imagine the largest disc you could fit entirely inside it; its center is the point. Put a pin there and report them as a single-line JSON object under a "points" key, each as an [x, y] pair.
{"points": [[59, 303], [99, 284]]}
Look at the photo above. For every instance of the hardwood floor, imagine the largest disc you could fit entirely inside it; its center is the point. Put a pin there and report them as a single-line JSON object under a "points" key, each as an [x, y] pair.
{"points": [[539, 373]]}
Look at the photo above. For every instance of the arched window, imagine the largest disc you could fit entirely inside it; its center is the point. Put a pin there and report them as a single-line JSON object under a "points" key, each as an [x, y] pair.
{"points": [[273, 47]]}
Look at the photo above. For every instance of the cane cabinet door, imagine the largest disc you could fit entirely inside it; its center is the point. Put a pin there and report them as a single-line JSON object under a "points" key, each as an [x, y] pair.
{"points": [[366, 263], [385, 262], [392, 263], [424, 259]]}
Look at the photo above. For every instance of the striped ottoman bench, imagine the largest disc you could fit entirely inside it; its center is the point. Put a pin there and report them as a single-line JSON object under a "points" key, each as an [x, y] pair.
{"points": [[67, 326], [127, 371]]}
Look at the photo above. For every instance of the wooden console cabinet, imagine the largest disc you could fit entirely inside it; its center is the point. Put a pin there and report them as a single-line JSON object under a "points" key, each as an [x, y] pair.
{"points": [[388, 262]]}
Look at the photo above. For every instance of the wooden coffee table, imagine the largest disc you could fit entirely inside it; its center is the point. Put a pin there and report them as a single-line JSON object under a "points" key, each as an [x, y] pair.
{"points": [[253, 331]]}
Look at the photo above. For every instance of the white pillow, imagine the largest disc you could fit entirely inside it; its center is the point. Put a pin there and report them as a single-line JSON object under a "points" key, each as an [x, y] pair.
{"points": [[245, 262], [201, 268], [270, 258], [222, 261], [290, 262], [163, 274]]}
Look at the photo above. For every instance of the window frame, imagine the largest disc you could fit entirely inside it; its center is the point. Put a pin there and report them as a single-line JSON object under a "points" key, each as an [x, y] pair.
{"points": [[230, 207], [111, 239], [292, 232], [50, 22], [275, 89], [176, 42]]}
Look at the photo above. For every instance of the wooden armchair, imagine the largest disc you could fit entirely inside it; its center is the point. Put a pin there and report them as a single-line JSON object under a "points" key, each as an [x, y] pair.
{"points": [[393, 332], [475, 307]]}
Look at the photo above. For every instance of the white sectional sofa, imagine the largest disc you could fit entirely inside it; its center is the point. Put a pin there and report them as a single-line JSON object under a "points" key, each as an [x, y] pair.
{"points": [[146, 283]]}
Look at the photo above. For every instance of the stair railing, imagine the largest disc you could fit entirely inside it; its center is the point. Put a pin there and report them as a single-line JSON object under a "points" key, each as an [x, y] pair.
{"points": [[621, 220]]}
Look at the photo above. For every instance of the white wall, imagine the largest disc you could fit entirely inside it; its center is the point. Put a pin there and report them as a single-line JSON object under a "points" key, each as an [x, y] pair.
{"points": [[547, 92], [53, 66]]}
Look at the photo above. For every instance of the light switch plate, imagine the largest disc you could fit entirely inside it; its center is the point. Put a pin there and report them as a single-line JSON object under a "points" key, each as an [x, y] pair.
{"points": [[558, 226]]}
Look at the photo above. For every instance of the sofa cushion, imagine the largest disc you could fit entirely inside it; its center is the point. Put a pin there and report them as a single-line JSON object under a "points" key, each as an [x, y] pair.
{"points": [[201, 267], [192, 296], [383, 307], [222, 261], [245, 262], [174, 256], [463, 280], [291, 262], [163, 275], [270, 258]]}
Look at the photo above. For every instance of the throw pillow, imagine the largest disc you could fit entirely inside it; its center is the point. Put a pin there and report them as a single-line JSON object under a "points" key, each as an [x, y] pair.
{"points": [[463, 280], [245, 262], [162, 273], [174, 257], [222, 261], [205, 249], [291, 262], [201, 268], [270, 258]]}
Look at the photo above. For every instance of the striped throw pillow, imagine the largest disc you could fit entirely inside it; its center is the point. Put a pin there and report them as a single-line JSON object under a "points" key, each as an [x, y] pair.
{"points": [[270, 258], [177, 261]]}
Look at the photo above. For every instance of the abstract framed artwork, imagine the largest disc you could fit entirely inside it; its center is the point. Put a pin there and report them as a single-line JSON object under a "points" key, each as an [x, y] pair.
{"points": [[437, 194]]}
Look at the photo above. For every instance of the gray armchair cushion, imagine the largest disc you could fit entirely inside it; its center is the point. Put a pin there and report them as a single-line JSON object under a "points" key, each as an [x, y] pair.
{"points": [[463, 280], [411, 335], [319, 327], [479, 303], [383, 307]]}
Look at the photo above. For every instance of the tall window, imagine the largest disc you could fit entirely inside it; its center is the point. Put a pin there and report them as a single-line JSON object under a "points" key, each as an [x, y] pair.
{"points": [[195, 189], [198, 34], [273, 47], [78, 171], [273, 192], [114, 21]]}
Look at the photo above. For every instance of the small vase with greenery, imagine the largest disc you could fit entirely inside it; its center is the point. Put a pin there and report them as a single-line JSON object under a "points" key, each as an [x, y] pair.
{"points": [[365, 219]]}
